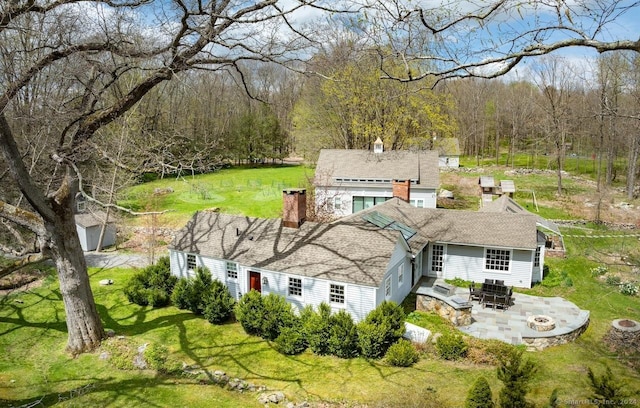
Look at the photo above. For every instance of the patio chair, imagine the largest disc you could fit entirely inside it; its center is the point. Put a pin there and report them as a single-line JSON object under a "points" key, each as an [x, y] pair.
{"points": [[488, 281], [499, 282], [474, 292], [503, 301]]}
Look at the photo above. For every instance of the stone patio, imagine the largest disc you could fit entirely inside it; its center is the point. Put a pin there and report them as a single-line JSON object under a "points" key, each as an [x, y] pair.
{"points": [[510, 325]]}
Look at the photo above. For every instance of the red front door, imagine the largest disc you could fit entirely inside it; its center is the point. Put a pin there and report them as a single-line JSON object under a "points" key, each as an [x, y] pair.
{"points": [[254, 281]]}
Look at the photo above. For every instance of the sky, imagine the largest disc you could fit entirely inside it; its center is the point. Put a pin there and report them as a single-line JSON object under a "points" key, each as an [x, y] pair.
{"points": [[625, 26]]}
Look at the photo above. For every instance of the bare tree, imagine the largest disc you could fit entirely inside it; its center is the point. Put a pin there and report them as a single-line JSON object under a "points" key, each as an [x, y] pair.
{"points": [[488, 39], [109, 54], [554, 81]]}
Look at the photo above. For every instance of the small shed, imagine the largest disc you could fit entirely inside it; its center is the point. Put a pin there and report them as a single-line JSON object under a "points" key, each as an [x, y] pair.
{"points": [[448, 151], [487, 189], [507, 187], [89, 225]]}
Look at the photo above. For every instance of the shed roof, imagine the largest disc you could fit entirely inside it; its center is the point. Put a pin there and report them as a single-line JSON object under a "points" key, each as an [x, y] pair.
{"points": [[335, 165], [508, 186], [486, 181], [91, 219]]}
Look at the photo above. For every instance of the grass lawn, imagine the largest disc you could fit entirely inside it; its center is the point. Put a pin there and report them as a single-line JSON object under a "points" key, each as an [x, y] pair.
{"points": [[34, 366], [255, 192]]}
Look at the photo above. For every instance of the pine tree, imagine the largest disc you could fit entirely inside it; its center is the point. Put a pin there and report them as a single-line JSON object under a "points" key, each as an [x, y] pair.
{"points": [[515, 373], [479, 395]]}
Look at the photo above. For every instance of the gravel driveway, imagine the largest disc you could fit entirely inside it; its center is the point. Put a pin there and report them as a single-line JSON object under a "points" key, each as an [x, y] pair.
{"points": [[116, 259]]}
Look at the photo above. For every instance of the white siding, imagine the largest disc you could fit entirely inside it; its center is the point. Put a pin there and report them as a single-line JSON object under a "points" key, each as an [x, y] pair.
{"points": [[359, 300], [449, 161], [346, 195], [90, 236], [467, 262]]}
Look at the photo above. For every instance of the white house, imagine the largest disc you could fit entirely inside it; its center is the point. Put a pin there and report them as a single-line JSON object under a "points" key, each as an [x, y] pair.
{"points": [[360, 260], [448, 149], [348, 181]]}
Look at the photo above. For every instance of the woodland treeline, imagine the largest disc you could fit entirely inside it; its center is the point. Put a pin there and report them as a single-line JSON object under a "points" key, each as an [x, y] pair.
{"points": [[556, 109]]}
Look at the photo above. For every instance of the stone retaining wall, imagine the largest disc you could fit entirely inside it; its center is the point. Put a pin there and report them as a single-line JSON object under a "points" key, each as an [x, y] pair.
{"points": [[459, 316], [541, 343]]}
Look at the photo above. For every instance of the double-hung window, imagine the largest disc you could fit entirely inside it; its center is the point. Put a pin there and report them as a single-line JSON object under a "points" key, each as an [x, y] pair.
{"points": [[232, 270], [497, 260], [295, 287], [400, 274], [191, 262], [336, 293]]}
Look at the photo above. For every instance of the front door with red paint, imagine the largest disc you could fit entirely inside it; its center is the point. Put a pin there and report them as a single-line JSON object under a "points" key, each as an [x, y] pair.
{"points": [[254, 281]]}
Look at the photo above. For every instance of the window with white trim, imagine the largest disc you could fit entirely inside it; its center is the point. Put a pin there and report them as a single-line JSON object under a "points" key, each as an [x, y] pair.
{"points": [[336, 293], [387, 287], [400, 274], [437, 255], [497, 259], [295, 287], [191, 261], [536, 258], [337, 203], [232, 270], [417, 202]]}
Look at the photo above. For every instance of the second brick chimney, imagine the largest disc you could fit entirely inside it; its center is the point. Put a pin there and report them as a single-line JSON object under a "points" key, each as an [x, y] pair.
{"points": [[401, 189], [294, 208]]}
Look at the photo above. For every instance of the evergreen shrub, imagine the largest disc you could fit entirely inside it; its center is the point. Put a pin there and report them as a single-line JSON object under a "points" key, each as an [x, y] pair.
{"points": [[316, 326], [402, 354], [250, 312], [479, 395], [291, 340], [451, 346], [219, 303], [277, 315], [343, 335], [152, 286]]}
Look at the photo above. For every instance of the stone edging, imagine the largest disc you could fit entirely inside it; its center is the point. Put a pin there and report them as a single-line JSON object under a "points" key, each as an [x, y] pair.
{"points": [[538, 341]]}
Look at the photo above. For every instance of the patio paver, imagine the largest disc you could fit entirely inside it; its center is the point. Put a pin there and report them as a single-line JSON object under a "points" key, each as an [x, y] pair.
{"points": [[510, 325]]}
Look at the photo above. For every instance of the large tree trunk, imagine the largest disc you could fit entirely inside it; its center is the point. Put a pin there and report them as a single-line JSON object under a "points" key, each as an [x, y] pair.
{"points": [[83, 322]]}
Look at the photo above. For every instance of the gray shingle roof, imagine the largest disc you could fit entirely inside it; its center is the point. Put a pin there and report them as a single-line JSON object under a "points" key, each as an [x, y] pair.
{"points": [[92, 219], [350, 249], [344, 252], [462, 227], [505, 204], [364, 164]]}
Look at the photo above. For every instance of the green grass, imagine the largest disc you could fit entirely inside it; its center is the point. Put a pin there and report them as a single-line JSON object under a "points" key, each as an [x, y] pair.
{"points": [[33, 364], [254, 192]]}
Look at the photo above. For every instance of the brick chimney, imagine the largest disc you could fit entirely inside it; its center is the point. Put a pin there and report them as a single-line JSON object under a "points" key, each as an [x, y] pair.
{"points": [[294, 209], [401, 189]]}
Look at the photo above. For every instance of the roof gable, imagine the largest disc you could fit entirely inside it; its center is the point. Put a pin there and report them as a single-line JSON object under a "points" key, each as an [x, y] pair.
{"points": [[336, 166], [505, 204]]}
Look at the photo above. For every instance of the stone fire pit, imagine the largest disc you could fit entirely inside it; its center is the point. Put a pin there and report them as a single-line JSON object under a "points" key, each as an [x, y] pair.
{"points": [[626, 325], [541, 323]]}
